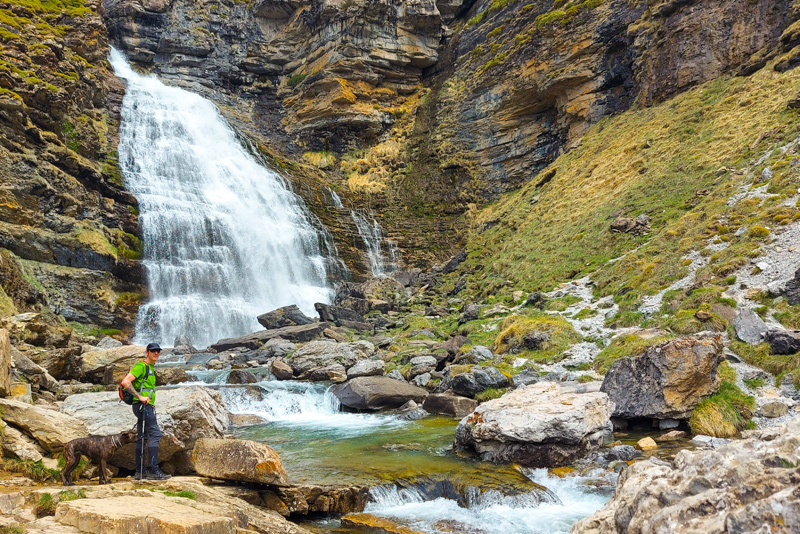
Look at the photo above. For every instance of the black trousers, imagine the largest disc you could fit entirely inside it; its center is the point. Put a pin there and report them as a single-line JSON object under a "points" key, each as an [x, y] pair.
{"points": [[147, 433]]}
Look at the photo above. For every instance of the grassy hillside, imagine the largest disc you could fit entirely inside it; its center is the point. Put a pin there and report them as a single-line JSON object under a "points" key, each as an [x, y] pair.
{"points": [[679, 163]]}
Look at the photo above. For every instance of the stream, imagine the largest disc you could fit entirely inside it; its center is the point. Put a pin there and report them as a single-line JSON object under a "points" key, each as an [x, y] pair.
{"points": [[416, 478]]}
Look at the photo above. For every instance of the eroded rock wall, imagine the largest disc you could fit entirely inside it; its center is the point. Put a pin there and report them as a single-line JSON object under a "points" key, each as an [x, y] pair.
{"points": [[67, 226]]}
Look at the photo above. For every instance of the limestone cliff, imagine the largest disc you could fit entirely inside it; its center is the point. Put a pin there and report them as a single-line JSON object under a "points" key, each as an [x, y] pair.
{"points": [[67, 226]]}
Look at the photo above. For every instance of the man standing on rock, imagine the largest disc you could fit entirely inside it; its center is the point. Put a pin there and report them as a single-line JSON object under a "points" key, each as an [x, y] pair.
{"points": [[141, 383]]}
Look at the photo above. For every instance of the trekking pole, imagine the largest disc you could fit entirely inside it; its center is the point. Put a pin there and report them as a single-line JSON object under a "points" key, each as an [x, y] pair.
{"points": [[144, 436]]}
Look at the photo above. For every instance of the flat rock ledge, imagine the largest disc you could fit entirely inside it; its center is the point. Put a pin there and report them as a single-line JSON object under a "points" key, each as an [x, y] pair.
{"points": [[540, 425], [745, 486], [123, 515]]}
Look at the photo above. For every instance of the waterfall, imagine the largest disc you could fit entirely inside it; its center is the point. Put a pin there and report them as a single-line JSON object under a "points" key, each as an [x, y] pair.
{"points": [[224, 238], [372, 235]]}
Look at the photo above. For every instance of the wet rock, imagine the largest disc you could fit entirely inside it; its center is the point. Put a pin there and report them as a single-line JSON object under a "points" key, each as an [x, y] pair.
{"points": [[286, 316], [749, 326], [477, 380], [674, 435], [240, 376], [304, 499], [256, 340], [377, 392], [646, 444], [709, 441], [618, 453], [542, 425], [239, 460], [743, 486], [366, 368], [783, 341], [667, 380], [453, 405], [374, 523], [333, 372]]}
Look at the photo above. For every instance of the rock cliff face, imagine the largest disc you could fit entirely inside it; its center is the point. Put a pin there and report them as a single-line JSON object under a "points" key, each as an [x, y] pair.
{"points": [[418, 109], [67, 226]]}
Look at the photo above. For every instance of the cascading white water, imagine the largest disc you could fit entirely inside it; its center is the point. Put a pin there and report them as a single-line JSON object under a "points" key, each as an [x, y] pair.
{"points": [[372, 235], [224, 238], [551, 512]]}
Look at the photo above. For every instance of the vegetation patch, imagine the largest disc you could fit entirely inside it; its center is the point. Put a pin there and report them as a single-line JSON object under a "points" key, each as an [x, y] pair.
{"points": [[724, 414], [625, 346], [36, 471], [760, 356], [555, 332], [489, 394]]}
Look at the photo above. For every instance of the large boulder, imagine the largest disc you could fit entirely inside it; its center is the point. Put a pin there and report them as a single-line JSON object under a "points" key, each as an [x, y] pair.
{"points": [[477, 380], [542, 425], [300, 333], [744, 486], [377, 392], [286, 316], [5, 363], [324, 352], [109, 366], [791, 289], [453, 405], [184, 415], [49, 428], [783, 341], [366, 368], [239, 460], [666, 381], [342, 317]]}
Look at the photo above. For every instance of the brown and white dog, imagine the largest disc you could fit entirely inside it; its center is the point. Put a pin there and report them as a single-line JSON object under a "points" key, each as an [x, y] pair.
{"points": [[98, 449]]}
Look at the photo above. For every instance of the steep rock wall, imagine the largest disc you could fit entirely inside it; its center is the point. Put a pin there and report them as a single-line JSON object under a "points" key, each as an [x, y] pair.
{"points": [[67, 226]]}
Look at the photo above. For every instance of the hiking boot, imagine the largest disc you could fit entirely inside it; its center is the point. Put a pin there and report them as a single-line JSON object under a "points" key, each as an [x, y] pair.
{"points": [[138, 475], [155, 473]]}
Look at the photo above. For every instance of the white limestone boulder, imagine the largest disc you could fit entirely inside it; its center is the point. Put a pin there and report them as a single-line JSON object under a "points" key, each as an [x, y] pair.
{"points": [[540, 425]]}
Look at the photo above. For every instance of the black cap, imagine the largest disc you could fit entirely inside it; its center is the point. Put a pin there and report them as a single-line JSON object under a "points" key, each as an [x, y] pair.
{"points": [[153, 346]]}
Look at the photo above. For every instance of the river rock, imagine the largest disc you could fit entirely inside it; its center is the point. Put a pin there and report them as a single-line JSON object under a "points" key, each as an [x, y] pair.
{"points": [[374, 523], [141, 514], [377, 392], [476, 380], [109, 366], [453, 405], [543, 425], [366, 368], [304, 499], [666, 381], [255, 340], [49, 428], [241, 376], [749, 327], [281, 370], [334, 372], [183, 414], [286, 316], [783, 341], [744, 486], [239, 460], [646, 444]]}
